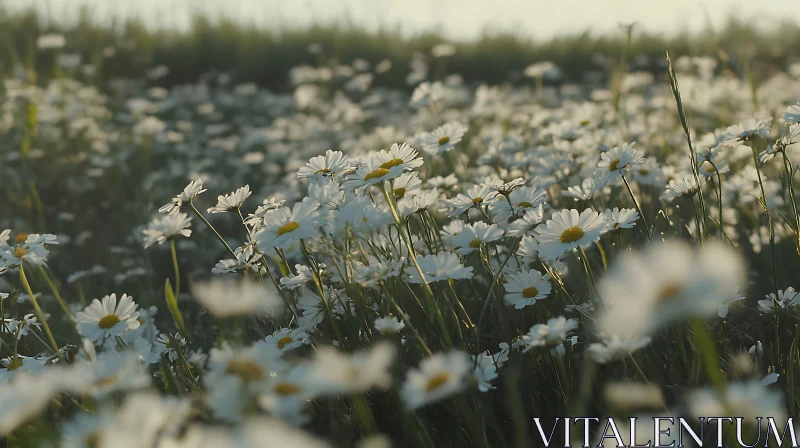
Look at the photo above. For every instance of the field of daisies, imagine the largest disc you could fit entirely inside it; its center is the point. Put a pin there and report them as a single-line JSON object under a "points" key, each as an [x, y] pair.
{"points": [[216, 264]]}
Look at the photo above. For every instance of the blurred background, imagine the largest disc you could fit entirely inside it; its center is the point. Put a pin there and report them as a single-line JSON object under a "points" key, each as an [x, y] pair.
{"points": [[493, 40]]}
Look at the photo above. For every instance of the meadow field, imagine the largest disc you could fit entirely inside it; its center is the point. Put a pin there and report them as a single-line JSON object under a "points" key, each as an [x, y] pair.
{"points": [[323, 237]]}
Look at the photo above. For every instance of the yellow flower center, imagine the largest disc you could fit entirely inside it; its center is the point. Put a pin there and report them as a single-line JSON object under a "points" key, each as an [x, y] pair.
{"points": [[284, 341], [20, 251], [525, 204], [290, 226], [476, 243], [392, 163], [571, 235], [108, 321], [286, 389], [444, 140], [613, 165], [710, 169], [399, 192], [377, 174], [668, 292], [437, 381], [107, 381], [244, 368], [323, 171], [21, 237], [644, 171], [477, 200], [16, 363], [529, 292], [584, 123]]}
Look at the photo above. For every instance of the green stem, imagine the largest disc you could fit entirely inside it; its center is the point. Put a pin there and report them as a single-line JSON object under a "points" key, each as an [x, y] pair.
{"points": [[638, 208], [39, 313], [208, 224], [175, 267]]}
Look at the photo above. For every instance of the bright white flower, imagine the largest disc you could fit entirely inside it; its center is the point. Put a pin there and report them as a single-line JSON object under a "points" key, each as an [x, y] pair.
{"points": [[745, 131], [326, 166], [335, 373], [107, 318], [444, 138], [231, 298], [524, 288], [786, 298], [748, 400], [568, 229], [404, 185], [383, 166], [477, 196], [685, 187], [486, 365], [523, 200], [228, 202], [617, 161], [792, 115], [388, 325], [614, 348], [442, 266], [585, 191], [437, 377], [162, 228], [617, 219], [474, 235], [293, 281], [426, 93], [287, 339], [283, 227], [528, 249], [32, 249], [111, 372], [667, 282], [551, 334], [188, 194]]}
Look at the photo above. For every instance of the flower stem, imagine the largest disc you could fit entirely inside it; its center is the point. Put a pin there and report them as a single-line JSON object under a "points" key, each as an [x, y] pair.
{"points": [[39, 313], [208, 224], [638, 209], [175, 267]]}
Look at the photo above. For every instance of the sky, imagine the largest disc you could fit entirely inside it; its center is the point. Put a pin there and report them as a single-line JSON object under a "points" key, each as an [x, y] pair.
{"points": [[457, 19]]}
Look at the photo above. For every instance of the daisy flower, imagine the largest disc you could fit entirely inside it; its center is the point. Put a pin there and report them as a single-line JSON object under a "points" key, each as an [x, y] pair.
{"points": [[283, 227], [388, 325], [473, 235], [228, 202], [111, 372], [567, 230], [437, 377], [685, 187], [525, 287], [107, 318], [785, 299], [292, 281], [287, 339], [444, 138], [190, 192], [745, 131], [426, 93], [325, 166], [230, 298], [31, 248], [335, 373], [383, 166], [407, 182], [169, 344], [442, 266], [162, 228], [477, 196], [486, 365], [520, 201], [528, 249], [551, 334], [584, 191], [617, 161], [614, 348], [620, 219], [792, 115]]}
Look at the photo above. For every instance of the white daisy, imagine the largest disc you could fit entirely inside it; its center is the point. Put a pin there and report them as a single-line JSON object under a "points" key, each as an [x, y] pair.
{"points": [[444, 138], [474, 235], [190, 192], [107, 318], [568, 229], [437, 377], [785, 298], [442, 266], [162, 228], [620, 219], [228, 202], [524, 288], [283, 227], [326, 166], [551, 334], [388, 325]]}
